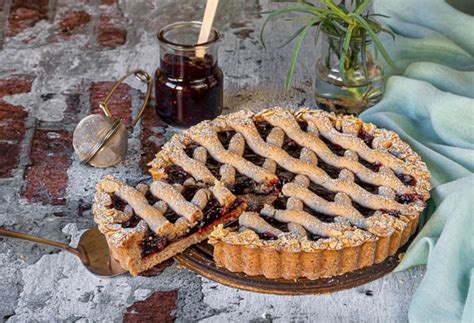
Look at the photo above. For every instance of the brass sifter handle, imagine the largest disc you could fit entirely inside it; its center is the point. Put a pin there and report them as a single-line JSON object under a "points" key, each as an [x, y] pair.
{"points": [[140, 75]]}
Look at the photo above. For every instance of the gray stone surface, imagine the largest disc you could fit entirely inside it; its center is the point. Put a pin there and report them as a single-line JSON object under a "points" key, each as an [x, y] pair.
{"points": [[41, 284]]}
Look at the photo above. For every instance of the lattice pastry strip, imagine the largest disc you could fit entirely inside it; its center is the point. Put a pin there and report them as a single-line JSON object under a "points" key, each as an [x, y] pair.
{"points": [[286, 121], [247, 128], [170, 196]]}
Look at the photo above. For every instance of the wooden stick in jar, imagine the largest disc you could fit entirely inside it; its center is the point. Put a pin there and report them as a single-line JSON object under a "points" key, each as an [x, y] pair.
{"points": [[208, 20]]}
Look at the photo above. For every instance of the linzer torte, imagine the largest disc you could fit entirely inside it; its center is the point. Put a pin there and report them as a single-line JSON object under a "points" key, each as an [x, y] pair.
{"points": [[315, 194]]}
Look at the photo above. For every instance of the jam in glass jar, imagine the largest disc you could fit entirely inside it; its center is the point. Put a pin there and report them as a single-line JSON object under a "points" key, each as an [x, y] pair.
{"points": [[189, 85]]}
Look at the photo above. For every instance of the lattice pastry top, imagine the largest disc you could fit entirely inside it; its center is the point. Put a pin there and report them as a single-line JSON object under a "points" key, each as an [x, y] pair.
{"points": [[322, 180]]}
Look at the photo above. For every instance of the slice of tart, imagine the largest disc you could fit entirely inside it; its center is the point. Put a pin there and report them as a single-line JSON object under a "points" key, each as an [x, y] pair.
{"points": [[147, 224]]}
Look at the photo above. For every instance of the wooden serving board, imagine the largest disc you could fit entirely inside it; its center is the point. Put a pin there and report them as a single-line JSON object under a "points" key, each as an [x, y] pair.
{"points": [[199, 259]]}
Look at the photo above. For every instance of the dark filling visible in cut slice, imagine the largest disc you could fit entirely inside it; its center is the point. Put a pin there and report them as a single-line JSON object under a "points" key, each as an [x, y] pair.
{"points": [[335, 148], [152, 244], [213, 214]]}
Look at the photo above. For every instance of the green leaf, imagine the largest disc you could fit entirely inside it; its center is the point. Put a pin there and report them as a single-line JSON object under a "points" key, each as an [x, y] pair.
{"points": [[376, 40], [378, 15], [362, 7], [299, 31], [344, 51], [296, 53], [363, 55], [282, 11], [336, 10]]}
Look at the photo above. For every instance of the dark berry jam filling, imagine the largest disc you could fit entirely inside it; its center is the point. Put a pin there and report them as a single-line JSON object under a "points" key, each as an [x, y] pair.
{"points": [[336, 149], [264, 129], [407, 179], [132, 222], [374, 189], [152, 244], [225, 137], [320, 216], [253, 157], [152, 199], [176, 174], [118, 203], [408, 198], [211, 212], [284, 176], [303, 125], [214, 166], [267, 236], [366, 137], [322, 192], [366, 212], [276, 224], [372, 166], [314, 237], [292, 148], [243, 185], [332, 171]]}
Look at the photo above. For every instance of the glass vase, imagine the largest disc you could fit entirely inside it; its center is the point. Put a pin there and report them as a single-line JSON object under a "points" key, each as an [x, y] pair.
{"points": [[361, 84]]}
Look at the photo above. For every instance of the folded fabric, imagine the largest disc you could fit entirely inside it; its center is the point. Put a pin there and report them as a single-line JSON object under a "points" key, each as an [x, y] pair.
{"points": [[432, 107]]}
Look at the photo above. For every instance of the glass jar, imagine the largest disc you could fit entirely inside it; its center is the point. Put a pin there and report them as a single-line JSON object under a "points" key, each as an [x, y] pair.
{"points": [[360, 87], [189, 85]]}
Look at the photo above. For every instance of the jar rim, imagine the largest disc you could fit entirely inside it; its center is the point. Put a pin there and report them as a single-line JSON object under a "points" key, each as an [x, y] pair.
{"points": [[214, 37]]}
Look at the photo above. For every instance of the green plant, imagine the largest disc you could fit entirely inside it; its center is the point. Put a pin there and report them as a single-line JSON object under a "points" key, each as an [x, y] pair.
{"points": [[356, 28]]}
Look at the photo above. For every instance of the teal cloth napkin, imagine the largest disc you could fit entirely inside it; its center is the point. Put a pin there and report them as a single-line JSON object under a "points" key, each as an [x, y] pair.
{"points": [[431, 106]]}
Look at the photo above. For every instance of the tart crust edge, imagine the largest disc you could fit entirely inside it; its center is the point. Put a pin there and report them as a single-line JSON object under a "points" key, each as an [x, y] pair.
{"points": [[273, 264]]}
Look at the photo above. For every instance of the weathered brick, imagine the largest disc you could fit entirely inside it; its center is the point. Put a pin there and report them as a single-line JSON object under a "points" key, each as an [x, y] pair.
{"points": [[12, 121], [25, 14], [2, 2], [108, 2], [15, 85], [10, 155], [159, 307], [151, 137], [46, 177], [110, 31], [73, 109], [72, 20], [120, 103]]}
